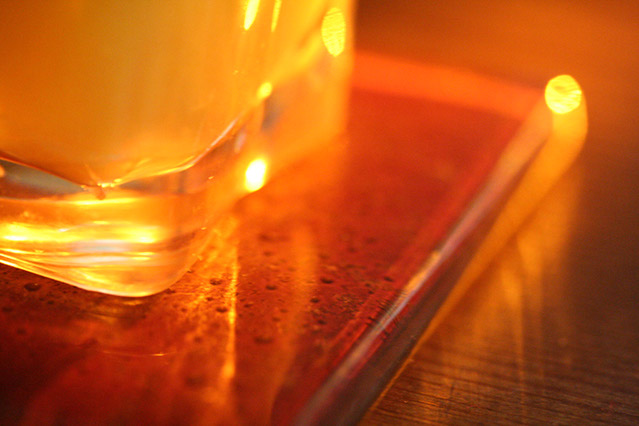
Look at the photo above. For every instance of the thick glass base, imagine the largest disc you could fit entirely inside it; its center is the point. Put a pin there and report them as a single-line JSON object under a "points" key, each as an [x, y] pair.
{"points": [[138, 238]]}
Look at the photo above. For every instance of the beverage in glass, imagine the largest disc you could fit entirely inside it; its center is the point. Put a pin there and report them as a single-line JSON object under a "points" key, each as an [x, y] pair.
{"points": [[127, 127]]}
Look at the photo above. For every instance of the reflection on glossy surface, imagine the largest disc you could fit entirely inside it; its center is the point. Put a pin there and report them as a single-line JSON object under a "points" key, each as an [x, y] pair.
{"points": [[522, 278], [265, 90], [475, 361], [563, 94], [277, 6], [19, 232], [567, 136], [250, 12], [334, 31], [255, 175]]}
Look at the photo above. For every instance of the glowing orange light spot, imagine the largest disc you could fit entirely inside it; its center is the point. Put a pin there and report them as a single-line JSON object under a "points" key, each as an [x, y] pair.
{"points": [[265, 90], [250, 13], [334, 31], [33, 233], [276, 14], [563, 94], [142, 237], [255, 175]]}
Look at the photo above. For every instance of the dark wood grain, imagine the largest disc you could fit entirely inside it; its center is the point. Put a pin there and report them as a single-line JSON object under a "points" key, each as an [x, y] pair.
{"points": [[550, 332]]}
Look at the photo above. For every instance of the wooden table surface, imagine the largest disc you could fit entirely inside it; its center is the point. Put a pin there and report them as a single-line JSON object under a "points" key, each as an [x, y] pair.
{"points": [[550, 332]]}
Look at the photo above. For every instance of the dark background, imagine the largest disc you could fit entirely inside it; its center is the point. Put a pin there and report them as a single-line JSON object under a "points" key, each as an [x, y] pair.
{"points": [[550, 332]]}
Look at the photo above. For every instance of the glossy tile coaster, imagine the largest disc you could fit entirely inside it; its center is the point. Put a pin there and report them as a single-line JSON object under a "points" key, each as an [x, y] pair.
{"points": [[314, 289]]}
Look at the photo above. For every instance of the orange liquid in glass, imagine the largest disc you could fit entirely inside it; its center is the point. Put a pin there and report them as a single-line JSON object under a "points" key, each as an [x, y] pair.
{"points": [[126, 126]]}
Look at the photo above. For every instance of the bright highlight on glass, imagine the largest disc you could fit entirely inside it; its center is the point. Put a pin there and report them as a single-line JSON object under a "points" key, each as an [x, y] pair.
{"points": [[18, 232], [563, 94], [265, 90], [250, 13], [276, 14], [255, 175], [334, 31]]}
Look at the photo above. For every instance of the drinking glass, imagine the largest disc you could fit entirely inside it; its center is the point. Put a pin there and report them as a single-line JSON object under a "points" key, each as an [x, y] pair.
{"points": [[127, 127]]}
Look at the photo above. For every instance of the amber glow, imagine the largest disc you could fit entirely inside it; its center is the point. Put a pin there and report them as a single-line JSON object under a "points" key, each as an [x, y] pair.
{"points": [[276, 14], [265, 90], [34, 233], [563, 94], [250, 13], [255, 175], [95, 201], [334, 31], [230, 296]]}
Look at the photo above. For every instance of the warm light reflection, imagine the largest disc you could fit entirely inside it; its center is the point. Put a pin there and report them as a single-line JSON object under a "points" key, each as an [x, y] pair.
{"points": [[334, 31], [567, 135], [255, 175], [276, 14], [141, 235], [103, 202], [108, 234], [230, 298], [265, 90], [563, 94], [250, 13], [220, 260]]}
